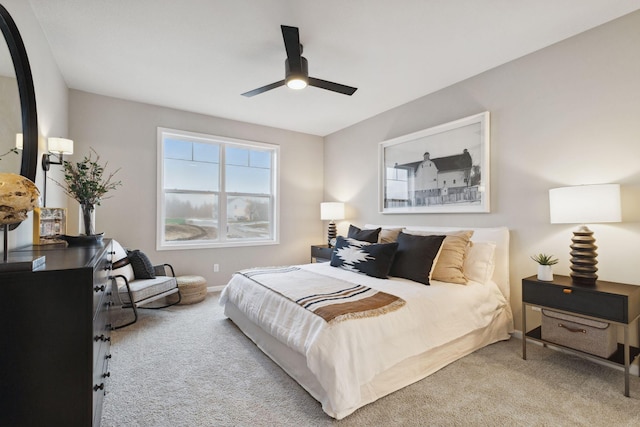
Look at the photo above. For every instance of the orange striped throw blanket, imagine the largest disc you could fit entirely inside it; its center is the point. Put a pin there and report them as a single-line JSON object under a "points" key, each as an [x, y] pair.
{"points": [[332, 299]]}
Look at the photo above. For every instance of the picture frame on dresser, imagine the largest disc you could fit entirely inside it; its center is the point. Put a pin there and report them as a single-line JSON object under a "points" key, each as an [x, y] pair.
{"points": [[48, 225], [442, 169]]}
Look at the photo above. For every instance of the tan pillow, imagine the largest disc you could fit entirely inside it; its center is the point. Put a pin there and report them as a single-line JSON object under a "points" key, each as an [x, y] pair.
{"points": [[449, 265], [389, 235]]}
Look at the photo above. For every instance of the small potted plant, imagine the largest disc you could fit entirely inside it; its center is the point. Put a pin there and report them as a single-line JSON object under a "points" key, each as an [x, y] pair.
{"points": [[545, 272], [85, 182]]}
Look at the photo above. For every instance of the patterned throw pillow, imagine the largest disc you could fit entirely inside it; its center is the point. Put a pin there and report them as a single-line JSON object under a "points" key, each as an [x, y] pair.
{"points": [[367, 235], [363, 257], [142, 267], [415, 256]]}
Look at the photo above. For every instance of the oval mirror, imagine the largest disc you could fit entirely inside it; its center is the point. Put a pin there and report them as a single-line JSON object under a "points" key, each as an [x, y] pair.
{"points": [[26, 100]]}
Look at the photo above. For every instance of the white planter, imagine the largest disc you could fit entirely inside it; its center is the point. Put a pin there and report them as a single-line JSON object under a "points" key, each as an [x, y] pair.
{"points": [[545, 273]]}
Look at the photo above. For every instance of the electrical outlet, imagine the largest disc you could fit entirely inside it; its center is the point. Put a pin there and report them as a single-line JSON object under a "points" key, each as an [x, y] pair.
{"points": [[216, 268]]}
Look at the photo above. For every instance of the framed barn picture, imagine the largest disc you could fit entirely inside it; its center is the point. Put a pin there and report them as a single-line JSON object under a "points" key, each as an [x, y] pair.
{"points": [[443, 169]]}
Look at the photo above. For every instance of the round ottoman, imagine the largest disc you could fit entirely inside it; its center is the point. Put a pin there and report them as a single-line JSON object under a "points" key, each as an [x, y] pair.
{"points": [[192, 289]]}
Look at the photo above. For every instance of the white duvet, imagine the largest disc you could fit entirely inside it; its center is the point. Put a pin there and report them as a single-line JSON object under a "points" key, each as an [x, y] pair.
{"points": [[345, 355]]}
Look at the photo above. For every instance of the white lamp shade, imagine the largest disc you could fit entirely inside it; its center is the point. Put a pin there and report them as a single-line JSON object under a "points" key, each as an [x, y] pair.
{"points": [[585, 204], [60, 145], [19, 142], [331, 210]]}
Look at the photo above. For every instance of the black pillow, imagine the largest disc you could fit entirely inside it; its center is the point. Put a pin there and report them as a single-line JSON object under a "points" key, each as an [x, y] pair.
{"points": [[362, 257], [415, 255], [368, 235], [142, 267]]}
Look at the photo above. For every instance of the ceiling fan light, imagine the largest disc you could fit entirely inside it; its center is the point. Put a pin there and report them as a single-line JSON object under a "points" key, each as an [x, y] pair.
{"points": [[296, 83]]}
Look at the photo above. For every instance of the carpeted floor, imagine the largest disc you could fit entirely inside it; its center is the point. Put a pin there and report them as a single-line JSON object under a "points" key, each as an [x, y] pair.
{"points": [[190, 366]]}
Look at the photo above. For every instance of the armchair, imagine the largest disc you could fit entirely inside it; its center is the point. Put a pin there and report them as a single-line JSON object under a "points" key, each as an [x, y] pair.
{"points": [[136, 282]]}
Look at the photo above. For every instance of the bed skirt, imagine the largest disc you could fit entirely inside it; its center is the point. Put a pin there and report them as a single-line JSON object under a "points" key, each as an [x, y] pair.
{"points": [[401, 375]]}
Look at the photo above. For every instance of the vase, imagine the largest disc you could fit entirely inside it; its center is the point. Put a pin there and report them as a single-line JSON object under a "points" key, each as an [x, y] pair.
{"points": [[545, 273], [87, 218]]}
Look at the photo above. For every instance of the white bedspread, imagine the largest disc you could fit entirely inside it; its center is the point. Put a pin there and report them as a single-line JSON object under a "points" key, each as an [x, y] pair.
{"points": [[340, 354]]}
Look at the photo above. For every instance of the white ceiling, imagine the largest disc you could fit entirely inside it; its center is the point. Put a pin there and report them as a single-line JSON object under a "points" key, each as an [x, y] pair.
{"points": [[200, 55]]}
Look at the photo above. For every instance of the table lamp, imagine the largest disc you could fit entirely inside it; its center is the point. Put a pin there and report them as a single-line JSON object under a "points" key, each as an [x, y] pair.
{"points": [[584, 204], [331, 211]]}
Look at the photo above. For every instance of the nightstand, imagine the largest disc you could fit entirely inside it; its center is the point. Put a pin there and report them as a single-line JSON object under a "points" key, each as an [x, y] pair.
{"points": [[321, 253], [616, 303]]}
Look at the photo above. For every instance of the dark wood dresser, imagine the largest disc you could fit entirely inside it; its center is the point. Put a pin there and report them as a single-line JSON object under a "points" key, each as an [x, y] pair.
{"points": [[55, 338]]}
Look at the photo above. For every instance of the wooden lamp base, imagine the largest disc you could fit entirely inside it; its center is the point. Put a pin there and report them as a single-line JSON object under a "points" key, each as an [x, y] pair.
{"points": [[331, 234], [583, 257]]}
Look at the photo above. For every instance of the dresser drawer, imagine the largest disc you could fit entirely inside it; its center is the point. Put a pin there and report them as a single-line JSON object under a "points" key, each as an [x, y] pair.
{"points": [[579, 300], [101, 334], [101, 281], [100, 383]]}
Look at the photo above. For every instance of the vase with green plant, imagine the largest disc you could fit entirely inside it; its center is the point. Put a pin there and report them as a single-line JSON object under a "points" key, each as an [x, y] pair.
{"points": [[545, 263], [86, 182]]}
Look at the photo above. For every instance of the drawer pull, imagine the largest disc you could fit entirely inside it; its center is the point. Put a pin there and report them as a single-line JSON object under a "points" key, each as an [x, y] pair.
{"points": [[108, 356], [98, 387], [99, 288], [101, 338], [561, 325], [567, 291], [106, 375]]}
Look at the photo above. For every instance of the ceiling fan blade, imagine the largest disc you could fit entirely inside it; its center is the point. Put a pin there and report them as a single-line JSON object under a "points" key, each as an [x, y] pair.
{"points": [[263, 89], [335, 87], [291, 38]]}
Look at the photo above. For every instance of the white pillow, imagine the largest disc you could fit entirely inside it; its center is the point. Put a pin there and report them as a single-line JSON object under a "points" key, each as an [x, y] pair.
{"points": [[479, 263], [123, 267]]}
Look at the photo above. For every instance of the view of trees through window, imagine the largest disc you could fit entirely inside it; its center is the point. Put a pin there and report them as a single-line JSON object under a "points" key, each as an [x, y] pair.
{"points": [[216, 191]]}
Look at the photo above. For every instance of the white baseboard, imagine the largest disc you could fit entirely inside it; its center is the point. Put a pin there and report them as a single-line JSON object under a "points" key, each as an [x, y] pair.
{"points": [[215, 288], [633, 369]]}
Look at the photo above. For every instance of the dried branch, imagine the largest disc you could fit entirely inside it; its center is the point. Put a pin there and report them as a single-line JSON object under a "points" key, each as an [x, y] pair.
{"points": [[84, 180]]}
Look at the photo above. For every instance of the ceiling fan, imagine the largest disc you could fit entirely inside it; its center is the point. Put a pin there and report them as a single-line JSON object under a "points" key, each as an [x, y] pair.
{"points": [[297, 69]]}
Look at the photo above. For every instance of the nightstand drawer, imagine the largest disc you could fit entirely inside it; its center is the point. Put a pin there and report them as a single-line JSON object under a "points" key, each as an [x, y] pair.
{"points": [[321, 252], [576, 300]]}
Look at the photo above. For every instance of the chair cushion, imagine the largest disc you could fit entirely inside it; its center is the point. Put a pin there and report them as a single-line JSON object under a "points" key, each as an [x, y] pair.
{"points": [[146, 288]]}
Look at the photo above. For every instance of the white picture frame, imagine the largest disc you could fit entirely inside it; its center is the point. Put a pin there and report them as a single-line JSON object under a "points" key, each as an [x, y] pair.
{"points": [[442, 169]]}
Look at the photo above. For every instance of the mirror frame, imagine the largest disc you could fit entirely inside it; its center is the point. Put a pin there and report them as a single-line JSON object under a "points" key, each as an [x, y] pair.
{"points": [[27, 94]]}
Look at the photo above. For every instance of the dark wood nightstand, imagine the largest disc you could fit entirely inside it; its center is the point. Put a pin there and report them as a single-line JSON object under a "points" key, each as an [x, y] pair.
{"points": [[616, 303], [321, 253]]}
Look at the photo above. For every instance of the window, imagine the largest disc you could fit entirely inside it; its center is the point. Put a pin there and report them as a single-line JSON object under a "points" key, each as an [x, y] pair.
{"points": [[215, 191]]}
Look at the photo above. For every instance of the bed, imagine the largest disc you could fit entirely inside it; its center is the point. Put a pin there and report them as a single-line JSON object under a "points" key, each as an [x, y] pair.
{"points": [[346, 363]]}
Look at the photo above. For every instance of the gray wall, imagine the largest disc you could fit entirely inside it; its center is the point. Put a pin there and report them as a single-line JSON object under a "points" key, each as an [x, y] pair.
{"points": [[568, 114], [124, 134], [51, 97]]}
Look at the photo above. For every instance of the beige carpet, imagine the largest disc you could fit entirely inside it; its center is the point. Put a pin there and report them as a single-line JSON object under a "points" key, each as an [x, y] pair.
{"points": [[190, 366]]}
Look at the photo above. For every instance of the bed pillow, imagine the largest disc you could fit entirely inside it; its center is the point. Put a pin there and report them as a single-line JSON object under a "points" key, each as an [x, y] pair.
{"points": [[480, 261], [367, 235], [389, 235], [415, 256], [449, 266], [372, 259], [142, 267]]}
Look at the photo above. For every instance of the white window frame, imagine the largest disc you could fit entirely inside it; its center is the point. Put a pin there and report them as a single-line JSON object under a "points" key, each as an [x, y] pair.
{"points": [[161, 244]]}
